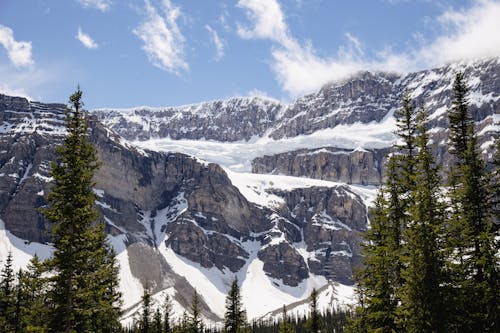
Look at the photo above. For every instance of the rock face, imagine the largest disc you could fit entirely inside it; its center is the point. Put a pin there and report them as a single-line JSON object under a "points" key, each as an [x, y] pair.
{"points": [[365, 98], [238, 118], [359, 166]]}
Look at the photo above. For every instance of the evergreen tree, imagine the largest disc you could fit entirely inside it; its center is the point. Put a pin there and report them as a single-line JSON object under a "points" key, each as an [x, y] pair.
{"points": [[80, 256], [376, 306], [145, 319], [380, 280], [167, 314], [314, 323], [157, 323], [421, 307], [235, 316], [472, 249], [7, 296], [285, 326], [195, 322], [35, 290]]}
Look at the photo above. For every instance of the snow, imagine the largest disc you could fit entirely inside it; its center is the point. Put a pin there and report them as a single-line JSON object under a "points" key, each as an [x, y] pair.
{"points": [[22, 251], [237, 156]]}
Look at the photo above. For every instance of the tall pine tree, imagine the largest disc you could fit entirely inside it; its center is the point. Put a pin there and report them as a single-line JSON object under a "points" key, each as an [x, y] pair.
{"points": [[472, 249], [81, 259], [235, 317], [314, 323], [421, 294]]}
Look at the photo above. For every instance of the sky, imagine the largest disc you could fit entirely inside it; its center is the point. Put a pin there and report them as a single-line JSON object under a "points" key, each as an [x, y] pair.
{"points": [[126, 53]]}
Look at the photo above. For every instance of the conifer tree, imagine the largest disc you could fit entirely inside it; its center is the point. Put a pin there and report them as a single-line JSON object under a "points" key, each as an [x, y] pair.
{"points": [[195, 322], [314, 323], [157, 323], [80, 256], [285, 326], [167, 314], [145, 319], [472, 249], [421, 294], [7, 297], [235, 316], [376, 303], [35, 290]]}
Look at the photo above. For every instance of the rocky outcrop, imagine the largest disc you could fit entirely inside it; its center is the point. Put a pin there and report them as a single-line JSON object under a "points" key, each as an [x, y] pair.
{"points": [[238, 118], [332, 221], [360, 166], [282, 261], [364, 98]]}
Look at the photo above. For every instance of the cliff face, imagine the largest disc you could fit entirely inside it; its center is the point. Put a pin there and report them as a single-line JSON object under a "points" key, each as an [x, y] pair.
{"points": [[359, 166]]}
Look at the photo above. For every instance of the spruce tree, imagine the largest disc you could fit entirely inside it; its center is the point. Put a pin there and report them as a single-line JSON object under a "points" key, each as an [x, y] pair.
{"points": [[7, 296], [376, 309], [167, 314], [314, 323], [235, 316], [35, 289], [472, 249], [80, 257], [421, 294], [146, 313], [195, 322], [285, 326], [157, 323]]}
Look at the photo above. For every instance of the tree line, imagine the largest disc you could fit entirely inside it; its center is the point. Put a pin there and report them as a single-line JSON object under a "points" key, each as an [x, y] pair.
{"points": [[159, 318]]}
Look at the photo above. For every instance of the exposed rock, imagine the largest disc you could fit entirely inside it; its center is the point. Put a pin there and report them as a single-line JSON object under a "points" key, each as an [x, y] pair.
{"points": [[238, 118], [282, 261], [358, 166]]}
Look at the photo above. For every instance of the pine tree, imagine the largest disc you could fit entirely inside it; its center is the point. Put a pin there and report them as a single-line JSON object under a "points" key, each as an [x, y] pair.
{"points": [[285, 326], [314, 323], [157, 323], [7, 296], [195, 322], [421, 294], [235, 316], [376, 306], [35, 288], [471, 245], [145, 319], [167, 314], [80, 256]]}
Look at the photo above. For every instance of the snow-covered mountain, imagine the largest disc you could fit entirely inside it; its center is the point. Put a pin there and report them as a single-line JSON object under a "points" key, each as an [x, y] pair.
{"points": [[274, 194]]}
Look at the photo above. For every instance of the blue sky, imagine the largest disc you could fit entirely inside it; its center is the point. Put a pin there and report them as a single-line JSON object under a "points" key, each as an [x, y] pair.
{"points": [[168, 52]]}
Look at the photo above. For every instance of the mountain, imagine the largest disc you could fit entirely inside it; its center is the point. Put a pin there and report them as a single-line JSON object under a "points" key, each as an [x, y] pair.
{"points": [[275, 194]]}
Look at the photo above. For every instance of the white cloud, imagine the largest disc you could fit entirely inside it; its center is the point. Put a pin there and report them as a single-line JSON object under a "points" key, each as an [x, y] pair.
{"points": [[468, 33], [465, 34], [19, 53], [267, 18], [102, 5], [217, 41], [86, 40], [163, 41], [4, 89]]}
